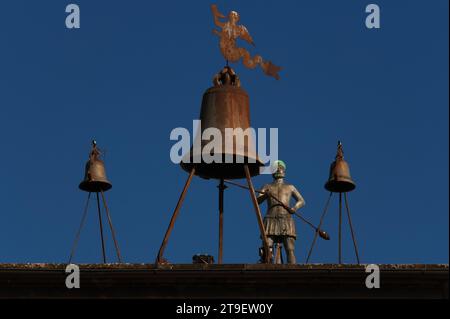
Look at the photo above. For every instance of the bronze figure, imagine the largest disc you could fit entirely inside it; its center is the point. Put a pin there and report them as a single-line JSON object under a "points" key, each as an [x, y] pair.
{"points": [[229, 33], [278, 222]]}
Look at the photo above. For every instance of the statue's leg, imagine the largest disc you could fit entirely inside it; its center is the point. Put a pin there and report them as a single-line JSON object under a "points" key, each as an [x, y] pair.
{"points": [[289, 245], [278, 258], [270, 243]]}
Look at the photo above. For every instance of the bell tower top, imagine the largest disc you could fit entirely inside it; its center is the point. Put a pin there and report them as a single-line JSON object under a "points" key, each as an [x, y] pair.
{"points": [[225, 77]]}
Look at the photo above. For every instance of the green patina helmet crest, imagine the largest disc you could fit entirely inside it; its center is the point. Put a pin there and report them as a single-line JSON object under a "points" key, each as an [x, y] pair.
{"points": [[278, 168], [279, 163]]}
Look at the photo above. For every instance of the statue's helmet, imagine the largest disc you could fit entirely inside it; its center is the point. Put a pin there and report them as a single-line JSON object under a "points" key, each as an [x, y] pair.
{"points": [[233, 16], [278, 169]]}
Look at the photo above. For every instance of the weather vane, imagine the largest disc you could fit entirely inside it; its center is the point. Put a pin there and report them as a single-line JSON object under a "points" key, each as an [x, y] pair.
{"points": [[229, 33]]}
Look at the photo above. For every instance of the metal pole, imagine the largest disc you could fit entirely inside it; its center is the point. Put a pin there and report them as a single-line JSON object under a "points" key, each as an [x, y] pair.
{"points": [[281, 203], [281, 254], [77, 237], [101, 228], [222, 187], [318, 228], [116, 245], [174, 216], [351, 228], [340, 228], [258, 215]]}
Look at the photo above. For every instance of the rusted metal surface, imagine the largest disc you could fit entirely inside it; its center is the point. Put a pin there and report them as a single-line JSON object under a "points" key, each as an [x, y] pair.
{"points": [[340, 180], [222, 188], [77, 237], [340, 230], [322, 218], [159, 258], [95, 179], [100, 220], [113, 232], [224, 281], [339, 227], [101, 229], [267, 252], [229, 32], [355, 246], [224, 106]]}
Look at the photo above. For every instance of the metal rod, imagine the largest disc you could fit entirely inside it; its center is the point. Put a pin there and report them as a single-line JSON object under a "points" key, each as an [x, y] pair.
{"points": [[325, 210], [268, 256], [174, 217], [108, 215], [222, 187], [277, 200], [351, 228], [281, 254], [77, 237], [101, 228], [340, 228]]}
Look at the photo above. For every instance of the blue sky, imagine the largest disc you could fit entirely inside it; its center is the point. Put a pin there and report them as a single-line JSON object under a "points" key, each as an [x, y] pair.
{"points": [[137, 69]]}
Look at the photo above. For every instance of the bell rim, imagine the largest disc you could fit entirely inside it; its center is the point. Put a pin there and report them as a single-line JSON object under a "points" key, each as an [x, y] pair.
{"points": [[95, 186], [342, 186], [213, 171]]}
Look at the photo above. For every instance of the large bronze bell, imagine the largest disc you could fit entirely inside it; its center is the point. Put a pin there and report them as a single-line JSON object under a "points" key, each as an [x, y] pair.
{"points": [[340, 180], [95, 180], [225, 105]]}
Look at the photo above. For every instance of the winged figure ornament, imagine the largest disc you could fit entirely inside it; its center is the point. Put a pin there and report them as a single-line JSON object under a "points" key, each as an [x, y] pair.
{"points": [[229, 32]]}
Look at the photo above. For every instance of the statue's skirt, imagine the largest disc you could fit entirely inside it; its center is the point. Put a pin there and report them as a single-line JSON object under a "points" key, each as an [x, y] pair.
{"points": [[280, 226]]}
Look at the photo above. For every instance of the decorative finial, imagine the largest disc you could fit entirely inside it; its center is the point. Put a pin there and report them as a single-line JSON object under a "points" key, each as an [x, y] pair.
{"points": [[229, 33], [95, 152], [226, 76], [340, 151]]}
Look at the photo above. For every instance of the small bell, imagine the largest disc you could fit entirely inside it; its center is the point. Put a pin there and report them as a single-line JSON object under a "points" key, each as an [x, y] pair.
{"points": [[95, 179], [340, 180]]}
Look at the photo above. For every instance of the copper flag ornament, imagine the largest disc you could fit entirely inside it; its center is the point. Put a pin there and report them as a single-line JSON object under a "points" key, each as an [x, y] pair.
{"points": [[229, 32]]}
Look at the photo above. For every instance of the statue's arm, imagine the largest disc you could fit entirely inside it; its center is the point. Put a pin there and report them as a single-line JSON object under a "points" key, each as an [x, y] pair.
{"points": [[245, 35], [300, 201], [262, 197], [217, 15]]}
